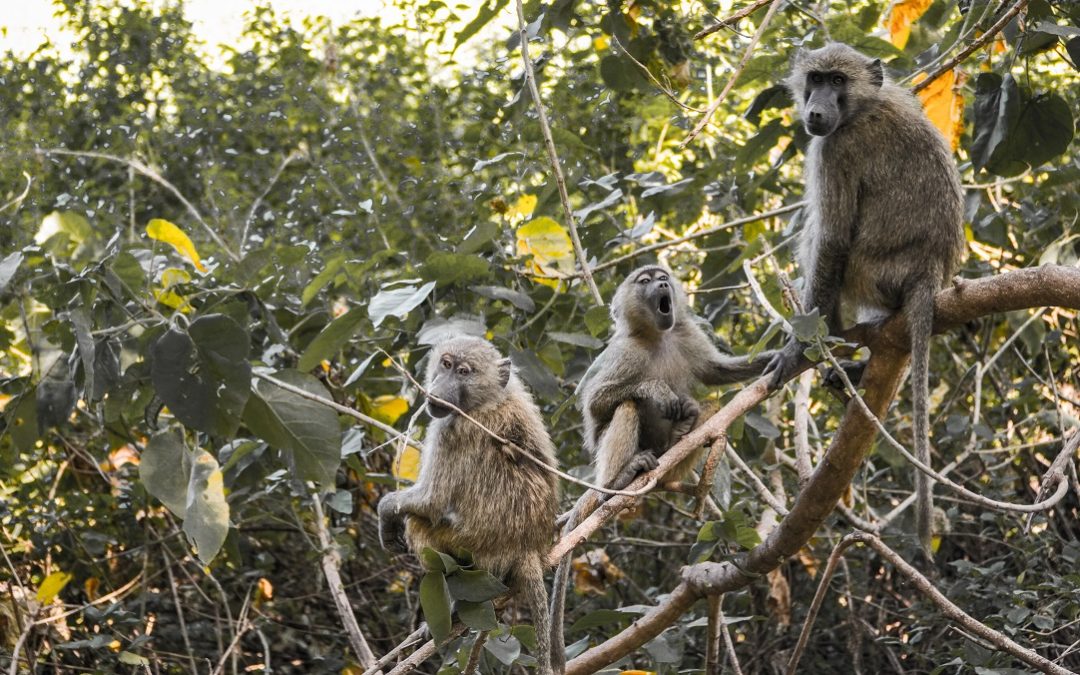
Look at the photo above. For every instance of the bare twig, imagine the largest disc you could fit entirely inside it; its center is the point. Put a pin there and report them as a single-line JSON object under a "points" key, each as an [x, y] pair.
{"points": [[289, 159], [759, 293], [18, 200], [763, 490], [425, 652], [978, 42], [705, 482], [179, 612], [652, 78], [804, 466], [734, 76], [952, 611], [712, 637], [727, 21], [815, 605], [157, 178], [729, 644], [475, 653], [331, 562], [702, 233], [409, 641], [1056, 472], [553, 157]]}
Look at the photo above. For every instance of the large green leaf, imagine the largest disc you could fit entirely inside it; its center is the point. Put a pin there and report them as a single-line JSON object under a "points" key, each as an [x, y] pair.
{"points": [[203, 375], [164, 468], [475, 585], [327, 342], [206, 518], [451, 268], [478, 615], [435, 601], [306, 431]]}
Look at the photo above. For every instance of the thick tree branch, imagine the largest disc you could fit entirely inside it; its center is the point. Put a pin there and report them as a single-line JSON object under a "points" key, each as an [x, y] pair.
{"points": [[1049, 285]]}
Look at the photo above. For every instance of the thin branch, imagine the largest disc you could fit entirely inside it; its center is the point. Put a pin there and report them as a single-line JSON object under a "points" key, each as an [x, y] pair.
{"points": [[553, 157], [804, 466], [409, 641], [759, 293], [18, 200], [734, 76], [425, 652], [712, 637], [702, 233], [774, 502], [727, 21], [289, 159], [952, 611], [652, 78], [331, 563], [1057, 474], [708, 471], [475, 653], [157, 178], [330, 403], [729, 644], [977, 43], [815, 605]]}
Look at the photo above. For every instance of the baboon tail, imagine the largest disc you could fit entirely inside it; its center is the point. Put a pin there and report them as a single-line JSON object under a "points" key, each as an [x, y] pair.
{"points": [[920, 318], [532, 580], [558, 610]]}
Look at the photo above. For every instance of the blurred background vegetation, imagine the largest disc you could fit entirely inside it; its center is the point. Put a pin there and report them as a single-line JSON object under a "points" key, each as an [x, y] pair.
{"points": [[322, 195]]}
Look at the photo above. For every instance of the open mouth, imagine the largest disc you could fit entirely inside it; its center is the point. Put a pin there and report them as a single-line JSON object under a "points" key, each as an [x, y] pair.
{"points": [[664, 305]]}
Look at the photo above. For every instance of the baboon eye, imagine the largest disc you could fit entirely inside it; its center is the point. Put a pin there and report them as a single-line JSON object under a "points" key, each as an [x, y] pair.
{"points": [[838, 79], [817, 78], [643, 280], [662, 277], [463, 370], [446, 363]]}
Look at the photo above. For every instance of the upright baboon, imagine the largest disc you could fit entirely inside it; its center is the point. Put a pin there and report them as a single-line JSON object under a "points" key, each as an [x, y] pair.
{"points": [[473, 492], [884, 217], [637, 398]]}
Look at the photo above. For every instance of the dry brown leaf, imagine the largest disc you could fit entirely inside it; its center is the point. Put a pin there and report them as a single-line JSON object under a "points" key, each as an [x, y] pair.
{"points": [[594, 572], [943, 102], [904, 14]]}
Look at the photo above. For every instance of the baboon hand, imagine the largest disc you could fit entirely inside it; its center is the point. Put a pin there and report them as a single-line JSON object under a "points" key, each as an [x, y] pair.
{"points": [[639, 463], [783, 364], [391, 525], [853, 370], [688, 409], [674, 407]]}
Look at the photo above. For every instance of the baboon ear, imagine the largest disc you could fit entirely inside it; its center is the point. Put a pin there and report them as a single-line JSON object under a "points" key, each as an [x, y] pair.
{"points": [[877, 73], [504, 371]]}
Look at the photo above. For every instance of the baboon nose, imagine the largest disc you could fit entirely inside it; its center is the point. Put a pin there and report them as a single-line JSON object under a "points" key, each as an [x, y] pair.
{"points": [[814, 116]]}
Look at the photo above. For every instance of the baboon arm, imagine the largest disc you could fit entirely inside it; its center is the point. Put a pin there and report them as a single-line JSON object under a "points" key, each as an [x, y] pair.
{"points": [[832, 229], [618, 445], [607, 397]]}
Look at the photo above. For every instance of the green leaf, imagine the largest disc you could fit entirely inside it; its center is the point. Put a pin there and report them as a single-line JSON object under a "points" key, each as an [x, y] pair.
{"points": [[22, 422], [203, 375], [435, 601], [997, 107], [397, 302], [475, 586], [599, 617], [129, 659], [333, 266], [80, 324], [809, 327], [306, 431], [8, 267], [331, 338], [480, 234], [515, 298], [206, 519], [487, 12], [478, 615], [1043, 131], [451, 268], [597, 320], [164, 469], [437, 561]]}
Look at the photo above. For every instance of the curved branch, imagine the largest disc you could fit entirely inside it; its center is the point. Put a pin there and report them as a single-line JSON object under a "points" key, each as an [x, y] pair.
{"points": [[1050, 285]]}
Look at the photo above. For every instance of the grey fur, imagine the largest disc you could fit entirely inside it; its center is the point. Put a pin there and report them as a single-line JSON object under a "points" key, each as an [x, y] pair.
{"points": [[475, 494], [637, 399], [884, 221]]}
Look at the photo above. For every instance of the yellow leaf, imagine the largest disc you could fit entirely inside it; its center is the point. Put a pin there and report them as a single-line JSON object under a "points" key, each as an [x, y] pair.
{"points": [[903, 14], [600, 43], [163, 230], [407, 464], [173, 276], [401, 582], [172, 299], [51, 586], [943, 102], [523, 207], [549, 245], [388, 408], [264, 590], [90, 587]]}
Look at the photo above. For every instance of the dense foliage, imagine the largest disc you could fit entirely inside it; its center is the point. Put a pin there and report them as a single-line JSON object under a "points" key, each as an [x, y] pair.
{"points": [[324, 201]]}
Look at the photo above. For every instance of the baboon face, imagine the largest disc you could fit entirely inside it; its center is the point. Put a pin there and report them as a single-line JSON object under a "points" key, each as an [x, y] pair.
{"points": [[830, 85], [826, 99], [656, 294], [466, 372]]}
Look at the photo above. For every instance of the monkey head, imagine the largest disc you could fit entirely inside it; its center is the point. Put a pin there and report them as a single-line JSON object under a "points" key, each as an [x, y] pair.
{"points": [[830, 84], [650, 299], [467, 372]]}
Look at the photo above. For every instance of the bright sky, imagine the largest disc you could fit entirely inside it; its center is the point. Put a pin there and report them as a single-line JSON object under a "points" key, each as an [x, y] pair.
{"points": [[25, 23]]}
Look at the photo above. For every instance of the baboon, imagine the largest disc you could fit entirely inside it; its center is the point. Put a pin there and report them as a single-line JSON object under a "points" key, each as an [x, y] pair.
{"points": [[883, 228], [473, 493], [637, 398]]}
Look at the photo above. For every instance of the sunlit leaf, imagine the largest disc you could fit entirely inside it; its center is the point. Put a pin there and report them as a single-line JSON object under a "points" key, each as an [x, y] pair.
{"points": [[51, 586], [549, 244], [164, 470], [206, 516], [129, 659], [406, 464], [903, 14], [327, 343], [388, 408], [523, 207], [943, 101], [163, 230], [397, 302]]}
